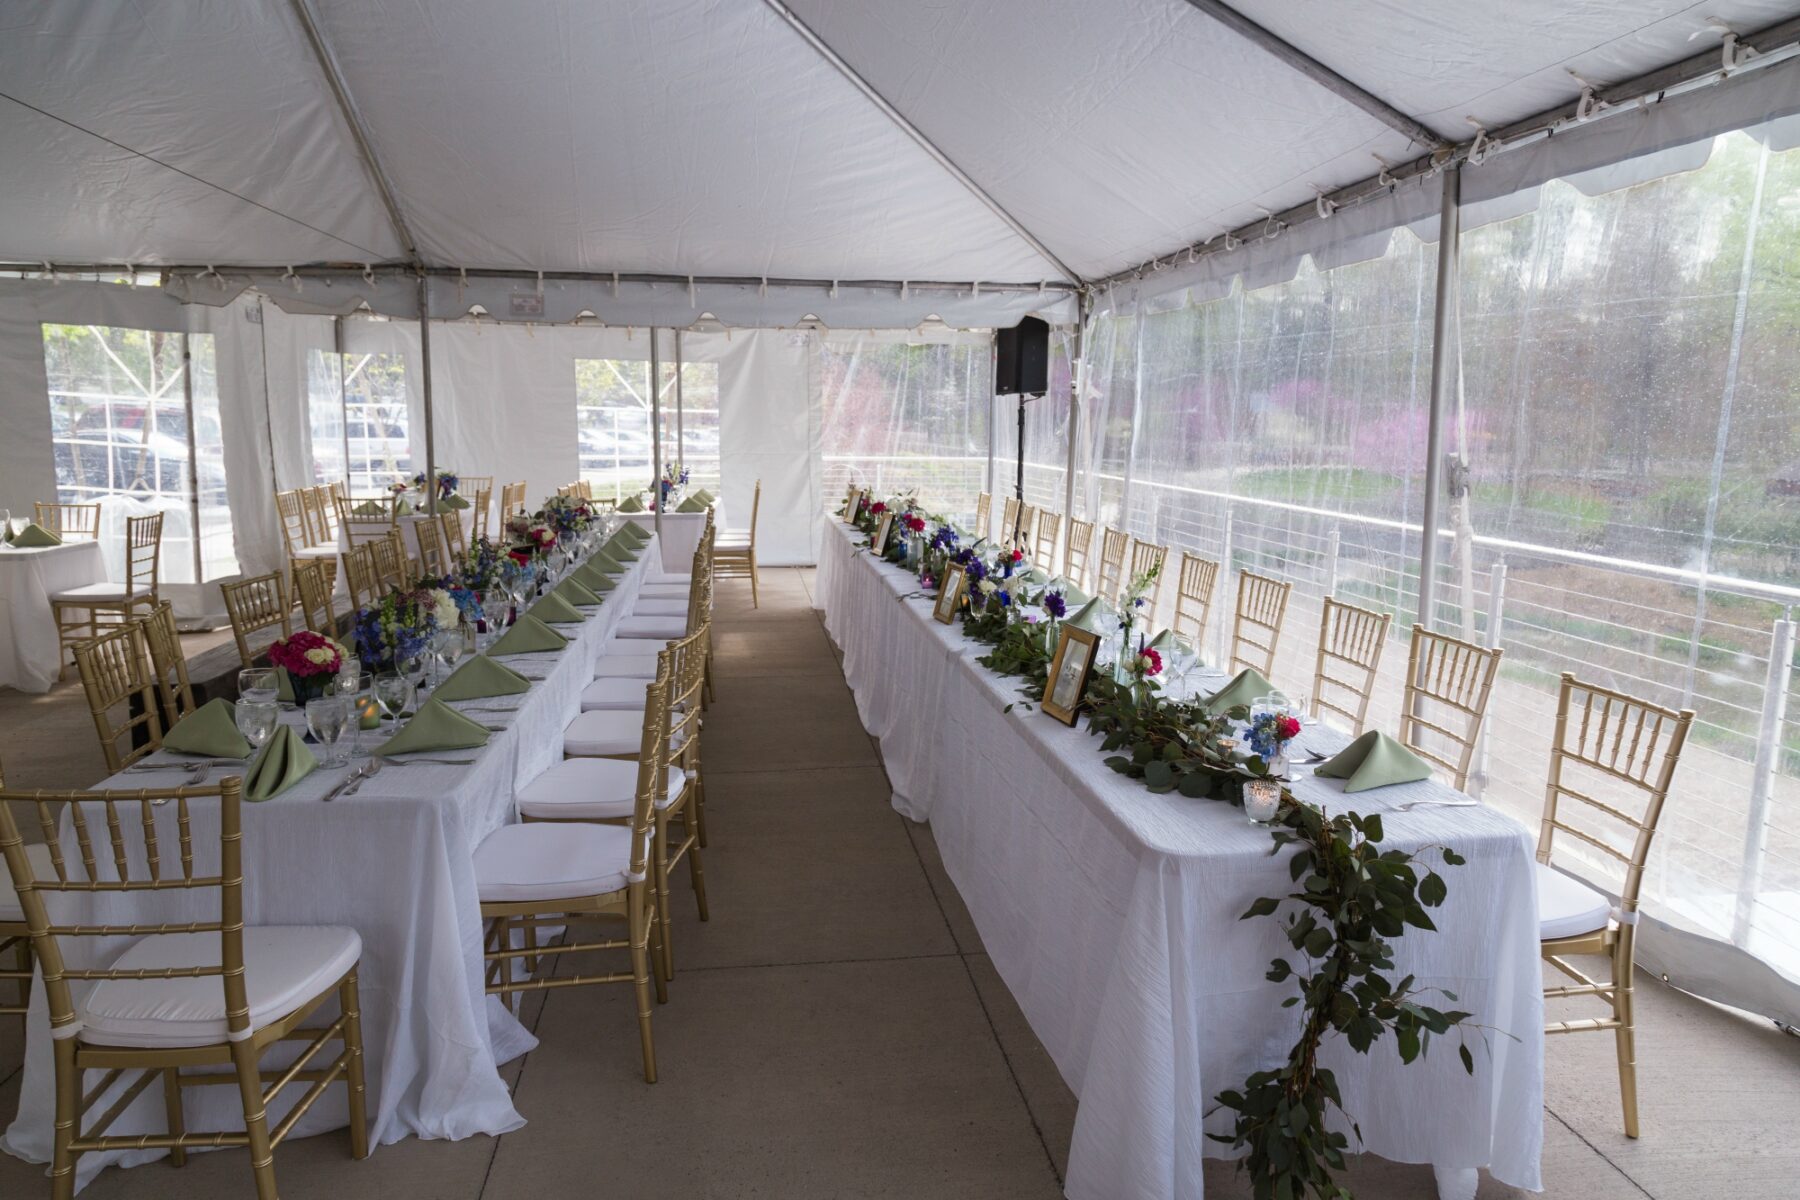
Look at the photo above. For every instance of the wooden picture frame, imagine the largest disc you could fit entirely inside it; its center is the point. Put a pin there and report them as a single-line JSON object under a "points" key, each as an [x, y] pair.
{"points": [[1070, 669], [851, 503], [950, 593], [883, 531]]}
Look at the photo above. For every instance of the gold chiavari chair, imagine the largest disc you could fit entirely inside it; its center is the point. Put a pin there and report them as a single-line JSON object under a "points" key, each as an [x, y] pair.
{"points": [[168, 663], [1448, 682], [260, 602], [15, 935], [1075, 550], [984, 514], [319, 507], [362, 577], [1146, 556], [308, 531], [297, 530], [1612, 762], [392, 566], [1020, 535], [180, 996], [1351, 641], [1009, 515], [566, 491], [70, 522], [735, 553], [586, 489], [116, 675], [456, 542], [1109, 575], [1049, 527], [604, 503], [94, 601], [1256, 627], [434, 558], [1194, 595], [484, 501], [512, 500], [470, 484], [366, 518], [313, 589], [536, 874]]}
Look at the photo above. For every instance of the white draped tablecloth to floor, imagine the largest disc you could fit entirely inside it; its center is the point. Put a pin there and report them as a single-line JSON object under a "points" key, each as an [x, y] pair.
{"points": [[394, 862], [30, 657], [1112, 913], [680, 536]]}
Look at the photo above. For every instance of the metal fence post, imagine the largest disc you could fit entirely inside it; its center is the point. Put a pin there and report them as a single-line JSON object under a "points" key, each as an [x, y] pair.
{"points": [[1768, 762], [1331, 562], [1495, 622], [1225, 592]]}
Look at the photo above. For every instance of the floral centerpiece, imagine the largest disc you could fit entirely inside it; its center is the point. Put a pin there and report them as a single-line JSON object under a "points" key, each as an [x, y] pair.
{"points": [[567, 516], [446, 483], [528, 535], [310, 659], [396, 628], [673, 477], [1268, 734], [1132, 605], [480, 568]]}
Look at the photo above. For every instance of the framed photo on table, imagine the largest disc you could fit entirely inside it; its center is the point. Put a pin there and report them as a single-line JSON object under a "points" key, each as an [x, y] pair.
{"points": [[1073, 663], [949, 597], [878, 546], [850, 504]]}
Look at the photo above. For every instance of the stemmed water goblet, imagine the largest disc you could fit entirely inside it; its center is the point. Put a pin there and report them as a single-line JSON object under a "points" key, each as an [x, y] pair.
{"points": [[394, 692], [258, 684], [256, 720], [327, 718]]}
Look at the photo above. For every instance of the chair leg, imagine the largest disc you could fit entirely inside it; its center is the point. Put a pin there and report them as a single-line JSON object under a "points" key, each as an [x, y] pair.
{"points": [[655, 951], [351, 1004], [68, 1106], [642, 916], [665, 958], [697, 877], [698, 803], [531, 959], [754, 602], [1626, 1038], [172, 1105], [256, 1119]]}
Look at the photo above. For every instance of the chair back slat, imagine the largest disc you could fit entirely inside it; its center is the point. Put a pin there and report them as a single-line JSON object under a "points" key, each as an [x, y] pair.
{"points": [[312, 583], [1109, 576], [984, 514], [168, 663], [1076, 549], [1448, 682], [484, 500], [1256, 626], [361, 576], [297, 532], [143, 555], [260, 602], [1009, 515], [1194, 592], [319, 507], [456, 542], [434, 559], [1351, 641], [1049, 528], [1147, 556], [70, 522], [115, 674], [388, 553]]}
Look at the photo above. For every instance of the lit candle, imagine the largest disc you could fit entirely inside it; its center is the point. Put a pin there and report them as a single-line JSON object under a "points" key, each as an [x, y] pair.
{"points": [[1262, 797]]}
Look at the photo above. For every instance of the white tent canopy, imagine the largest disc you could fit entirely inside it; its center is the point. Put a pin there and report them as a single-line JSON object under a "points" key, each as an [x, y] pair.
{"points": [[853, 141]]}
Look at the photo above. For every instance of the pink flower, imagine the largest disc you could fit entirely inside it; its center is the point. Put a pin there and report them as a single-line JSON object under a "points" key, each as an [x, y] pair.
{"points": [[1018, 556], [877, 508], [306, 653], [1287, 727], [1149, 662]]}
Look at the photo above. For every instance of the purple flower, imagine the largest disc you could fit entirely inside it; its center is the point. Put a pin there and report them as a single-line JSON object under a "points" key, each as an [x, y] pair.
{"points": [[1005, 598], [1055, 605]]}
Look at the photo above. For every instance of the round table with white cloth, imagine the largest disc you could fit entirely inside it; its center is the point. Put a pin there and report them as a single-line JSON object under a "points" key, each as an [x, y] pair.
{"points": [[30, 658]]}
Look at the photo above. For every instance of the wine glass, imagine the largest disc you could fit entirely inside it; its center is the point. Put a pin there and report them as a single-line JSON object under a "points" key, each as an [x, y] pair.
{"points": [[556, 560], [256, 721], [257, 684], [394, 692], [327, 718], [494, 607], [447, 647]]}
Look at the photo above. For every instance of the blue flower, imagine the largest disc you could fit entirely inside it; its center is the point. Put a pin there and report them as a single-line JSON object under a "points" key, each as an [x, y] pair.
{"points": [[1005, 598], [1055, 605]]}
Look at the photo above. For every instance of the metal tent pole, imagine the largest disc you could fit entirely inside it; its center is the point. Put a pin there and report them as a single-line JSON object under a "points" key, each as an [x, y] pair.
{"points": [[1077, 378], [1445, 353], [680, 412], [656, 435], [425, 377]]}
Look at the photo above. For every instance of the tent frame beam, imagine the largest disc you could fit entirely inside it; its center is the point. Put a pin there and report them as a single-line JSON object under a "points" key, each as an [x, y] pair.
{"points": [[1773, 45], [912, 131], [340, 91], [1320, 74]]}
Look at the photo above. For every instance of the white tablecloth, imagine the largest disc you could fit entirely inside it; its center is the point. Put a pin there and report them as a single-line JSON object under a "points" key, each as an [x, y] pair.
{"points": [[1112, 914], [29, 655], [393, 862], [680, 536]]}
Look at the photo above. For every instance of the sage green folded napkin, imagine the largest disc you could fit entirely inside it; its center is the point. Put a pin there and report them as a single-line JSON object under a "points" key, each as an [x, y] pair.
{"points": [[480, 678], [691, 505], [284, 687], [284, 762], [402, 508], [1374, 760], [571, 590], [631, 504], [370, 508], [1073, 596], [705, 497], [634, 531], [454, 501], [1163, 642], [593, 578], [436, 727], [621, 548], [603, 561], [528, 636], [35, 536], [553, 609], [1095, 617], [1248, 685], [211, 730], [1035, 577]]}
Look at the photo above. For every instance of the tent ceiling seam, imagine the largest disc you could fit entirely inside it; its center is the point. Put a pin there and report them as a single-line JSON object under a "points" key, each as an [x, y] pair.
{"points": [[346, 104], [1310, 67], [168, 166], [837, 61]]}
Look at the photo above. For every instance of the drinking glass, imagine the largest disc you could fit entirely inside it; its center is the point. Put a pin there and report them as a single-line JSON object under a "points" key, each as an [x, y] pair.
{"points": [[256, 721], [494, 610], [327, 718], [556, 560], [257, 684], [447, 647], [394, 692]]}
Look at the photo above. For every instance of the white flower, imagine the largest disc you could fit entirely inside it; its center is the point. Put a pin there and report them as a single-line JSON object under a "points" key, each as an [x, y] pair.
{"points": [[443, 606], [322, 655], [989, 587]]}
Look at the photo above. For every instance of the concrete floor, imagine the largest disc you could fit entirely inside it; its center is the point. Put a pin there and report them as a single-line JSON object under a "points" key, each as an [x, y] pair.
{"points": [[837, 1031]]}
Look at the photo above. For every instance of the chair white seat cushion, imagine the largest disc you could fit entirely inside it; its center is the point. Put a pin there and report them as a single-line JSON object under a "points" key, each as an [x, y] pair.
{"points": [[617, 691], [316, 552], [99, 591], [627, 664], [284, 967], [1567, 906], [605, 732], [552, 862], [591, 789], [664, 629], [659, 606], [732, 541], [38, 854]]}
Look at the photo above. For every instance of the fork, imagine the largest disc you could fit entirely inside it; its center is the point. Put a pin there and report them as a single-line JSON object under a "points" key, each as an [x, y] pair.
{"points": [[440, 762], [1412, 804], [369, 772]]}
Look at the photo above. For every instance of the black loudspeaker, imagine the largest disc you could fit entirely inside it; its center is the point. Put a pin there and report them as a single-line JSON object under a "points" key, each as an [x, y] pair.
{"points": [[1022, 359]]}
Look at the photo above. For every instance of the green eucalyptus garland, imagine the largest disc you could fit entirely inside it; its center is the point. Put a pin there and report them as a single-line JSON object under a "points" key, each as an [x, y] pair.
{"points": [[1351, 899]]}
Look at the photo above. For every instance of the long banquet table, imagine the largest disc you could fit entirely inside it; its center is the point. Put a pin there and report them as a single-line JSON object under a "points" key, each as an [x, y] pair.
{"points": [[395, 863], [30, 655], [1113, 914]]}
